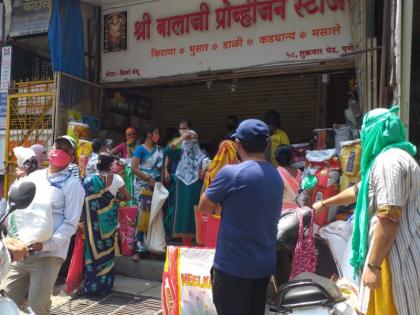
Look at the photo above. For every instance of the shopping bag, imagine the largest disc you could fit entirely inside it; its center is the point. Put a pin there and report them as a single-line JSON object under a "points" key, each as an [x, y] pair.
{"points": [[201, 219], [304, 259], [75, 273], [155, 239], [127, 220], [212, 230], [186, 282], [144, 213]]}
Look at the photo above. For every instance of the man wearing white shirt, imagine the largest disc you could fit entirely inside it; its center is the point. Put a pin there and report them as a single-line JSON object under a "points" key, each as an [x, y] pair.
{"points": [[36, 275]]}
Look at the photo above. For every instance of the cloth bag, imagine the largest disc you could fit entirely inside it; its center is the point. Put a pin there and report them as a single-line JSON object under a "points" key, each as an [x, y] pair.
{"points": [[304, 259], [75, 273], [186, 281], [155, 239]]}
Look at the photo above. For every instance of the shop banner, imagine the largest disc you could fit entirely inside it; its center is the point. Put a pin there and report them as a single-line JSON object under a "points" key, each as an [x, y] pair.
{"points": [[30, 17], [167, 38]]}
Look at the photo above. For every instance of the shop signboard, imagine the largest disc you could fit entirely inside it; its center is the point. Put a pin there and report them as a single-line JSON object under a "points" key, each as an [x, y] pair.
{"points": [[6, 69], [167, 38], [30, 17]]}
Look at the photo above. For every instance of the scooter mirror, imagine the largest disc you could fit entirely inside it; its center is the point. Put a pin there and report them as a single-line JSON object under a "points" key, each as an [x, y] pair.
{"points": [[21, 196]]}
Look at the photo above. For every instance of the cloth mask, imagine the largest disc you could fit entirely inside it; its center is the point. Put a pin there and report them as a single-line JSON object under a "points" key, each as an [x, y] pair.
{"points": [[59, 158]]}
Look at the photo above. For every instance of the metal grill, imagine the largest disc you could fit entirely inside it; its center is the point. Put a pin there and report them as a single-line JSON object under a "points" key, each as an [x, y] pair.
{"points": [[115, 304], [30, 120]]}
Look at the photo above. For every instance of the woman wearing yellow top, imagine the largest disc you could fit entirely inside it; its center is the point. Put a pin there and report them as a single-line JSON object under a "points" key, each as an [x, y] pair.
{"points": [[278, 136]]}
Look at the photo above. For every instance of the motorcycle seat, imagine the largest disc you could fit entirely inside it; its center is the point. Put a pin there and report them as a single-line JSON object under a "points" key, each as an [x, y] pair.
{"points": [[309, 289], [288, 225]]}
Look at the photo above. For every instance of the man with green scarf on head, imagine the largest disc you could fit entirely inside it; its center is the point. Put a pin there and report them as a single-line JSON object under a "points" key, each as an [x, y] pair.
{"points": [[386, 234]]}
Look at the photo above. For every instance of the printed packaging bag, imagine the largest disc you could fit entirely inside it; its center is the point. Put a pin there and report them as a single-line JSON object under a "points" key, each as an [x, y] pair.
{"points": [[127, 219], [351, 154], [186, 282]]}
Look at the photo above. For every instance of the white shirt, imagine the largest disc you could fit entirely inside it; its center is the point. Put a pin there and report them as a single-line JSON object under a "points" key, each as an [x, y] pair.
{"points": [[117, 183], [67, 202]]}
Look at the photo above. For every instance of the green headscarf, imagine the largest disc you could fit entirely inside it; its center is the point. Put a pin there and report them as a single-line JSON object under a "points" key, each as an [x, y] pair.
{"points": [[382, 129]]}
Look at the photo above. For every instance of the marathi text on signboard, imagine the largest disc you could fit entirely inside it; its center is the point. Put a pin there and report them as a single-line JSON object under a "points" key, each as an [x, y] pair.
{"points": [[30, 17], [165, 39]]}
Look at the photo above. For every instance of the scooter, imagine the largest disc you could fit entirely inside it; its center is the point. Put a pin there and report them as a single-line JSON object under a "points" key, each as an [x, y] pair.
{"points": [[309, 293], [20, 197]]}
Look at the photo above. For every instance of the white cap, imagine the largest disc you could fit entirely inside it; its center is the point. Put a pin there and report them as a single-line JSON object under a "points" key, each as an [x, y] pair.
{"points": [[23, 154]]}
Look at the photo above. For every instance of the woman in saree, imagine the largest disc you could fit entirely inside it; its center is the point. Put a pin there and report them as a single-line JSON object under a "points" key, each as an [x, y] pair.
{"points": [[292, 177], [103, 190], [188, 186], [146, 165], [386, 237]]}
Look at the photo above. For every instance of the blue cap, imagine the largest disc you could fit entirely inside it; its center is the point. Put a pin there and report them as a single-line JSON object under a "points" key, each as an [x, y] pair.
{"points": [[252, 131]]}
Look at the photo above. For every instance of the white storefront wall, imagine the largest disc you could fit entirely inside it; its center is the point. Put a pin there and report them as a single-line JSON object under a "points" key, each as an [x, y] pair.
{"points": [[192, 36]]}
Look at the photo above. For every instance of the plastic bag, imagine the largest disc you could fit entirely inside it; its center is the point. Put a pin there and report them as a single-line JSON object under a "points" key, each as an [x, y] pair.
{"points": [[342, 134], [212, 231], [127, 220], [35, 223], [75, 273], [186, 281], [201, 220], [144, 213], [155, 239]]}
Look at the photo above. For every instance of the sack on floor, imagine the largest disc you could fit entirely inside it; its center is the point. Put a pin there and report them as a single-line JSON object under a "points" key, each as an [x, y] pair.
{"points": [[155, 239], [186, 283]]}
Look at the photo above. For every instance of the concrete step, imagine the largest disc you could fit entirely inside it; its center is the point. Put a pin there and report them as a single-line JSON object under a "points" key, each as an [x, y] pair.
{"points": [[136, 286], [146, 269]]}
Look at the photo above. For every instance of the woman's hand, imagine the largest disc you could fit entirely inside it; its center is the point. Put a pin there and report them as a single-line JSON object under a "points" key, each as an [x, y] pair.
{"points": [[167, 177], [151, 182], [202, 174], [318, 206], [371, 278], [81, 227]]}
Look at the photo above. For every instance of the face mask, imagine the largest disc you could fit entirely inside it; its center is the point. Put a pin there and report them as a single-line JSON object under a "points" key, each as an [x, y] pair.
{"points": [[155, 138], [181, 131], [59, 158]]}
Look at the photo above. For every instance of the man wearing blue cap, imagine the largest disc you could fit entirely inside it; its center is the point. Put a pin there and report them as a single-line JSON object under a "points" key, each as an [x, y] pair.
{"points": [[250, 195]]}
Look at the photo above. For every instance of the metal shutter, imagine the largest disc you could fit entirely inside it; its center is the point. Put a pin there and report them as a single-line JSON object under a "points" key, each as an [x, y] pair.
{"points": [[296, 97]]}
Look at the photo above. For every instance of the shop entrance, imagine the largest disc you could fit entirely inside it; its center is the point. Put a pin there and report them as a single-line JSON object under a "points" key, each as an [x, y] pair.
{"points": [[304, 101]]}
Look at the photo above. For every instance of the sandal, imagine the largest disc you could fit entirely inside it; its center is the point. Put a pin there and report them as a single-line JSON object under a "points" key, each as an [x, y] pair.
{"points": [[136, 257]]}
